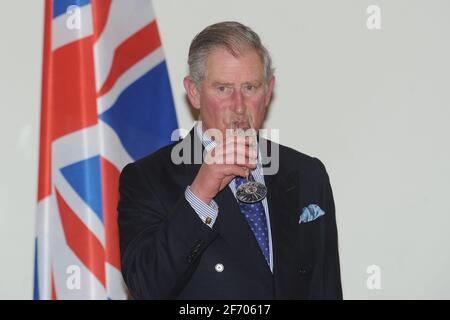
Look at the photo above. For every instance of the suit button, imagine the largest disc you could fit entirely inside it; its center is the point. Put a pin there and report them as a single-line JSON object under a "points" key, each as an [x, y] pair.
{"points": [[219, 267]]}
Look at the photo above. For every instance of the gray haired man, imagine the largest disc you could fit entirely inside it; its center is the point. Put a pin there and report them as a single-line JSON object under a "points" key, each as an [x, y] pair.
{"points": [[184, 231]]}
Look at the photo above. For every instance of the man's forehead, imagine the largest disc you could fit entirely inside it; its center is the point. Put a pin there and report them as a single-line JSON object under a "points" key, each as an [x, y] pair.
{"points": [[224, 67], [222, 56]]}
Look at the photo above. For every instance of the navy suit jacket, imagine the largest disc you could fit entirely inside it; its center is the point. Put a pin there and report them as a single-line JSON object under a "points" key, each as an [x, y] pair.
{"points": [[168, 252]]}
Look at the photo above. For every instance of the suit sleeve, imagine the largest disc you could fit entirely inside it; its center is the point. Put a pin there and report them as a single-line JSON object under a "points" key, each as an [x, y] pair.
{"points": [[159, 249], [330, 271]]}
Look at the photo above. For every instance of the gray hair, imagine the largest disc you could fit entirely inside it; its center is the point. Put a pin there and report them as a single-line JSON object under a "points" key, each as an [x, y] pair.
{"points": [[235, 38]]}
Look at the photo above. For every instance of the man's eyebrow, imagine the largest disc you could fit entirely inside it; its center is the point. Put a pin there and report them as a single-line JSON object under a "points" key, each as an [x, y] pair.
{"points": [[253, 82], [256, 82], [219, 83]]}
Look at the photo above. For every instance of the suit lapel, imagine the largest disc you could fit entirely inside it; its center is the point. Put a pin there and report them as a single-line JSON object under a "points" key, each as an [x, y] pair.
{"points": [[188, 171]]}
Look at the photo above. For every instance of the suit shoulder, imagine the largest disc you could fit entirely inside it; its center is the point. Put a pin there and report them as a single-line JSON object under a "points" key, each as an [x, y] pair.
{"points": [[303, 162], [152, 161], [159, 155]]}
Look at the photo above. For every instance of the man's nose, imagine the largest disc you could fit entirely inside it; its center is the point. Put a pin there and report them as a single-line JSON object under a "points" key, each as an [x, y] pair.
{"points": [[238, 102]]}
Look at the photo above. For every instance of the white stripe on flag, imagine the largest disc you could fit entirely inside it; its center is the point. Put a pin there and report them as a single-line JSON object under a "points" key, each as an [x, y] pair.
{"points": [[74, 147], [63, 258], [43, 231], [112, 148], [79, 206], [131, 75], [116, 288], [125, 19]]}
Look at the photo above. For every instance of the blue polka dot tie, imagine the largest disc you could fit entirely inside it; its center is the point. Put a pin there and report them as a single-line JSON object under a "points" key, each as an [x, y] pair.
{"points": [[256, 218]]}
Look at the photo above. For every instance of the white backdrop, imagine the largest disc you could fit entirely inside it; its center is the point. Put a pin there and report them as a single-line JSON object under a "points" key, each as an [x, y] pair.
{"points": [[373, 105]]}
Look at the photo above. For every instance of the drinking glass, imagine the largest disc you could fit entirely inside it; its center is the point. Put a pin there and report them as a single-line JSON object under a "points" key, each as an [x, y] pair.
{"points": [[250, 191]]}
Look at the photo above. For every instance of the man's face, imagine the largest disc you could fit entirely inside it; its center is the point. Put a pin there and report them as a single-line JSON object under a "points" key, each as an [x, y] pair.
{"points": [[232, 86]]}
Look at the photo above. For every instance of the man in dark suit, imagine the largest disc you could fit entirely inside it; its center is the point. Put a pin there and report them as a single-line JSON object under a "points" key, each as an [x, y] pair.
{"points": [[183, 232]]}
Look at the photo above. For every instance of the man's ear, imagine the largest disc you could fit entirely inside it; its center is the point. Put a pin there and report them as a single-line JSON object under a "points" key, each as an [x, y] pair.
{"points": [[269, 91], [192, 92]]}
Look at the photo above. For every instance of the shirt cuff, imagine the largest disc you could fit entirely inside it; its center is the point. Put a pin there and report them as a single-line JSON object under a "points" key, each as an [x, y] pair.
{"points": [[206, 212]]}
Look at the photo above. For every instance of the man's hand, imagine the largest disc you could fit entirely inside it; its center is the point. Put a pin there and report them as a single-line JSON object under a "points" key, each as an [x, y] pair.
{"points": [[234, 157]]}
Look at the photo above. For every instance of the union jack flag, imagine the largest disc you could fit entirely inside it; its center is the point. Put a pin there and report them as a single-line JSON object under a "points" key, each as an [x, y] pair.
{"points": [[106, 101]]}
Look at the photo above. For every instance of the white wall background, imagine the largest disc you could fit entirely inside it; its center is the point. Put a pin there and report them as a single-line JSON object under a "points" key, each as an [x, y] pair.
{"points": [[374, 106]]}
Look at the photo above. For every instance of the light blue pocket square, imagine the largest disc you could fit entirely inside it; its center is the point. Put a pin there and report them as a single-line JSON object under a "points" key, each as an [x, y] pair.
{"points": [[310, 213]]}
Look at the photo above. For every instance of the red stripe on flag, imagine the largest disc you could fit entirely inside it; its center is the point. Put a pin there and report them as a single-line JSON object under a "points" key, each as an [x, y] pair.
{"points": [[130, 52], [45, 181], [81, 240], [54, 297], [100, 11], [72, 103], [110, 182]]}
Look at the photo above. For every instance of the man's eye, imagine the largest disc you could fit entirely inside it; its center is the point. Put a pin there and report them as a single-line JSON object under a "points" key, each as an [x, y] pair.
{"points": [[222, 89]]}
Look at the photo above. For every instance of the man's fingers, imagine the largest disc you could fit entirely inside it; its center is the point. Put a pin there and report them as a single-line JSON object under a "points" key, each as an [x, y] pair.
{"points": [[236, 140], [241, 157], [240, 154], [235, 170]]}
